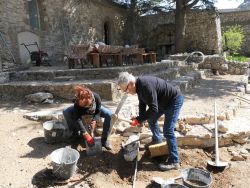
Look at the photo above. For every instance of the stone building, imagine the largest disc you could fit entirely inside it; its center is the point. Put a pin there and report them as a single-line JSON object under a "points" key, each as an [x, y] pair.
{"points": [[202, 34], [56, 24]]}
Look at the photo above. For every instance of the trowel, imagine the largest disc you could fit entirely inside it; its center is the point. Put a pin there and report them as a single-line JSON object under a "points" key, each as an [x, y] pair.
{"points": [[217, 164]]}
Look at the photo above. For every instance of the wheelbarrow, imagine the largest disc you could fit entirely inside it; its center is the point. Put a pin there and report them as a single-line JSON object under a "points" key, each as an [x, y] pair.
{"points": [[39, 57]]}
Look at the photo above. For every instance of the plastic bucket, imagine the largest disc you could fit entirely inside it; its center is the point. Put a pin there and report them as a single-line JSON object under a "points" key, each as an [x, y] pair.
{"points": [[196, 178], [53, 131], [96, 149], [64, 162]]}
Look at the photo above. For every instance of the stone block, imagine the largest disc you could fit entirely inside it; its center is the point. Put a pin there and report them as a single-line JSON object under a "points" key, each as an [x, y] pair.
{"points": [[158, 149], [241, 140], [222, 128], [197, 120]]}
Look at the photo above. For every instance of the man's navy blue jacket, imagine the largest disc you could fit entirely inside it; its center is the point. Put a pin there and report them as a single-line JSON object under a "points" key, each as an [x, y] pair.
{"points": [[155, 93]]}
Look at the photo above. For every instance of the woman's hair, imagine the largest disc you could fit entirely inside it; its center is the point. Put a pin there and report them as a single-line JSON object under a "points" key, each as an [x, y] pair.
{"points": [[124, 78], [83, 95]]}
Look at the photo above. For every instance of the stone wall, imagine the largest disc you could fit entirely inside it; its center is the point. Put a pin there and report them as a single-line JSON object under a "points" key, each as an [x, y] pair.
{"points": [[238, 17], [203, 34], [62, 22], [81, 22], [215, 62], [12, 21]]}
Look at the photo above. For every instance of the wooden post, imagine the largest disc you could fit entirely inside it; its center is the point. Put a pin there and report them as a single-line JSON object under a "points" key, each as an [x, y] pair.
{"points": [[152, 57], [120, 59], [139, 58], [96, 60]]}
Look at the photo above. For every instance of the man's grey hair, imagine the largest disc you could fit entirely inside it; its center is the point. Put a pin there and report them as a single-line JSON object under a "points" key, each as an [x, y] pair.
{"points": [[125, 78]]}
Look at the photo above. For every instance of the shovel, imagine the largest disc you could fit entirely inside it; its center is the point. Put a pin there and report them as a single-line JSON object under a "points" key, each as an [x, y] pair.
{"points": [[217, 164], [137, 140], [114, 116]]}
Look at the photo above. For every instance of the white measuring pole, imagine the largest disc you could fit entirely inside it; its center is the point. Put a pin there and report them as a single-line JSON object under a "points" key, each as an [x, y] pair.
{"points": [[216, 135], [136, 163]]}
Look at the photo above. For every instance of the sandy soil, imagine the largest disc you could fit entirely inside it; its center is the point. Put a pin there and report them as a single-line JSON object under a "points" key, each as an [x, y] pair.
{"points": [[25, 159]]}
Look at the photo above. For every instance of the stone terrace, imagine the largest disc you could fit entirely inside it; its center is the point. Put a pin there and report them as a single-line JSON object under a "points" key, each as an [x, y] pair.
{"points": [[15, 85], [200, 90]]}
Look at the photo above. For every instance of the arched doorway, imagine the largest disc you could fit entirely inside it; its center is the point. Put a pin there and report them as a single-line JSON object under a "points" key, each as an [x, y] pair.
{"points": [[27, 38], [106, 33]]}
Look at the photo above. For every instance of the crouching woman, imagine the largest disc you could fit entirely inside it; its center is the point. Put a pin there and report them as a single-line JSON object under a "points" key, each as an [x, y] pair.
{"points": [[88, 103]]}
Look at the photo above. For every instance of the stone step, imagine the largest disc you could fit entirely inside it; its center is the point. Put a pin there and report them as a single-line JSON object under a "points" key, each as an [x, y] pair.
{"points": [[18, 90], [61, 83], [187, 81], [89, 74], [64, 78]]}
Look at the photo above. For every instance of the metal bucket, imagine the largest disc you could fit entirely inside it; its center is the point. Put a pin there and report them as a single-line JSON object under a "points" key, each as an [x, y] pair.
{"points": [[174, 185], [64, 162], [96, 149], [53, 131], [196, 178]]}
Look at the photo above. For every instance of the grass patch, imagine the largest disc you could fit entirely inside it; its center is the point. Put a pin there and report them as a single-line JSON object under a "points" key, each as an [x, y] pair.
{"points": [[237, 58]]}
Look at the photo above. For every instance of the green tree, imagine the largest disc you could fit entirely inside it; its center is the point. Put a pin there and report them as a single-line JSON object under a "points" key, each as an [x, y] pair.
{"points": [[233, 38]]}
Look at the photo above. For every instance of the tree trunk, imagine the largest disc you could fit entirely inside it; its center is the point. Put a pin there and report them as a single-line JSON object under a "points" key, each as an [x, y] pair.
{"points": [[1, 65], [180, 26], [130, 31]]}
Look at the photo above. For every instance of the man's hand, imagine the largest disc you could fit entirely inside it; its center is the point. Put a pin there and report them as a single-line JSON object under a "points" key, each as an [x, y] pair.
{"points": [[134, 122]]}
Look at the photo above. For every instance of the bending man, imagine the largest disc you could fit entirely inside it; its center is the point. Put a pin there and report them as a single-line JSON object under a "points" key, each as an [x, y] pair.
{"points": [[161, 98]]}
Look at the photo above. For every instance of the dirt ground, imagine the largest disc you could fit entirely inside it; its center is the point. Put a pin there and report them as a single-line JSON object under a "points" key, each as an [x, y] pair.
{"points": [[25, 159]]}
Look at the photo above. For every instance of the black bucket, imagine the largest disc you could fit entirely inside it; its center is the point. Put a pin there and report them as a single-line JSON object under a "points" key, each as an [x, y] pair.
{"points": [[196, 178]]}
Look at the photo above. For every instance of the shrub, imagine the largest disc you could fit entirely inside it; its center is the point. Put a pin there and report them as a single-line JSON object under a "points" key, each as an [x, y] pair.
{"points": [[233, 38]]}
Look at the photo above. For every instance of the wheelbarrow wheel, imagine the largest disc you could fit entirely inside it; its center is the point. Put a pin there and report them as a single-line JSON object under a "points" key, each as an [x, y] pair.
{"points": [[38, 62], [71, 63]]}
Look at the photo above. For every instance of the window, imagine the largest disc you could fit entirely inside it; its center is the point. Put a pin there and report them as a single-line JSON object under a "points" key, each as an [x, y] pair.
{"points": [[33, 14]]}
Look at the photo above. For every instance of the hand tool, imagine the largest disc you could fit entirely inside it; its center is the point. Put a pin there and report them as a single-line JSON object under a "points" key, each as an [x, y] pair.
{"points": [[115, 115], [217, 164]]}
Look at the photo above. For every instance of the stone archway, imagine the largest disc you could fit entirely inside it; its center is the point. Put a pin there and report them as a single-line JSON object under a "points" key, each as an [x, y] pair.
{"points": [[26, 38]]}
